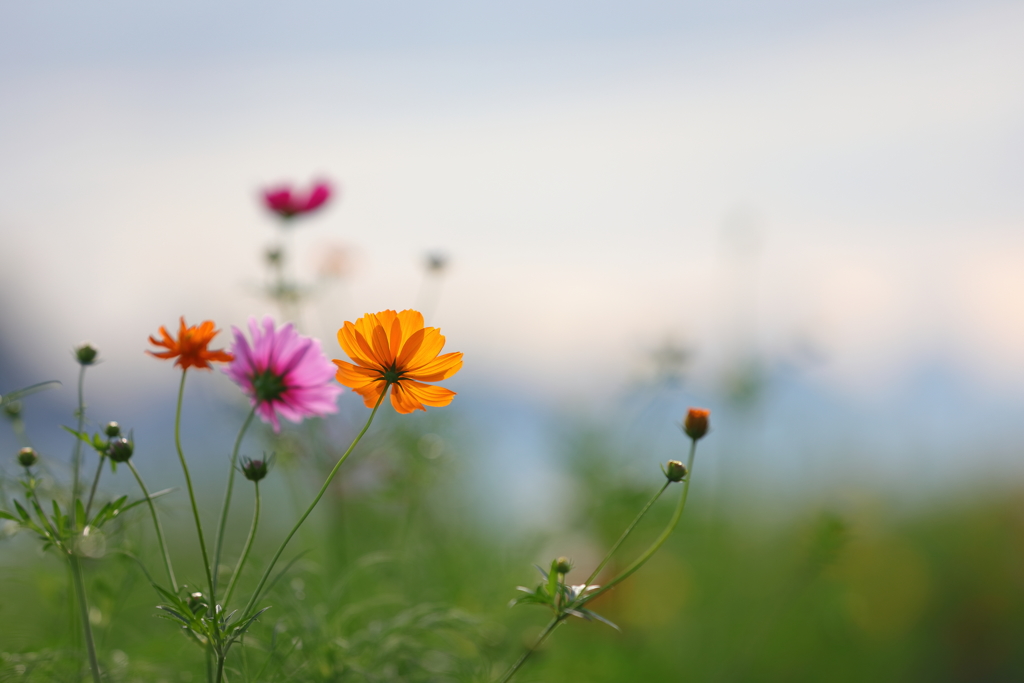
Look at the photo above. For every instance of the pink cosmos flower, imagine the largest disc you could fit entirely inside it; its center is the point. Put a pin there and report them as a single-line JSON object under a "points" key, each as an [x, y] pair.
{"points": [[283, 372], [287, 202]]}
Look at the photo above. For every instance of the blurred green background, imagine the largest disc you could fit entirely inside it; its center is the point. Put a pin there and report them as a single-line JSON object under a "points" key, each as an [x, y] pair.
{"points": [[403, 580]]}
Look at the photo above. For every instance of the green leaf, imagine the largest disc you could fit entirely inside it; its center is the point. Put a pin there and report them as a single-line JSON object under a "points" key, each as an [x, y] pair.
{"points": [[81, 435], [42, 518], [152, 496], [553, 579], [18, 393], [175, 614], [25, 517], [59, 520], [8, 515], [589, 615]]}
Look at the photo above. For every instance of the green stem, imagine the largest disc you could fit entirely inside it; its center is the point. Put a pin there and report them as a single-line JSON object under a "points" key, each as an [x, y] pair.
{"points": [[156, 525], [323, 489], [640, 561], [227, 501], [191, 493], [76, 454], [552, 625], [83, 608], [627, 532], [95, 481], [245, 552]]}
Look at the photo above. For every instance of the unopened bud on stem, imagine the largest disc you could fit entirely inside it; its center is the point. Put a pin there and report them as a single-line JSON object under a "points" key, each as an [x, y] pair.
{"points": [[86, 354], [120, 449], [675, 470], [696, 423], [112, 429], [27, 457], [563, 565], [254, 470]]}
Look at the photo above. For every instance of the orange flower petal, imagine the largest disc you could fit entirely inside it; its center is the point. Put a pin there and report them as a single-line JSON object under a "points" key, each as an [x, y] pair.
{"points": [[411, 321], [412, 345], [432, 344], [428, 394], [438, 369], [354, 376], [402, 401]]}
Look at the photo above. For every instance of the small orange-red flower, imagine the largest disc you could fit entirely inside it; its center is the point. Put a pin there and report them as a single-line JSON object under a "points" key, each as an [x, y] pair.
{"points": [[190, 346], [396, 350]]}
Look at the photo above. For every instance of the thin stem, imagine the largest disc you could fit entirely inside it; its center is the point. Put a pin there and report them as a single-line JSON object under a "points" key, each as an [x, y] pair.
{"points": [[95, 481], [227, 500], [83, 608], [640, 561], [627, 532], [191, 493], [245, 552], [323, 489], [156, 525], [76, 454], [555, 621]]}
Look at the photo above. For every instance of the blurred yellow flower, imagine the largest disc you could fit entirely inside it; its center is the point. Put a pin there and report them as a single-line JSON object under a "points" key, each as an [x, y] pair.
{"points": [[395, 350]]}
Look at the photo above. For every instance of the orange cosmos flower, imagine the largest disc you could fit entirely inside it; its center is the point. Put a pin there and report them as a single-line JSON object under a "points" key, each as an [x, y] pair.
{"points": [[394, 349], [190, 347]]}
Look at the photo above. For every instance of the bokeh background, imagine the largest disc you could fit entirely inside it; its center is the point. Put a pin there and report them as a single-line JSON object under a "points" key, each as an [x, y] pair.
{"points": [[806, 216]]}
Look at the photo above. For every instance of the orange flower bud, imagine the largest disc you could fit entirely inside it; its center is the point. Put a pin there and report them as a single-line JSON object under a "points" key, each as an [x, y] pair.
{"points": [[696, 423]]}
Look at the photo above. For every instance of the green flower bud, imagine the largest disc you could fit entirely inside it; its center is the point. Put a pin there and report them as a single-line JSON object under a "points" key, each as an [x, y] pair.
{"points": [[27, 457], [254, 470], [563, 565], [120, 449], [675, 470], [196, 601], [13, 409], [86, 354], [112, 429]]}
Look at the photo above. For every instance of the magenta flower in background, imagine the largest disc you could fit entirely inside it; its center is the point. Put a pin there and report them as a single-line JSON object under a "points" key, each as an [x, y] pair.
{"points": [[283, 373], [288, 202]]}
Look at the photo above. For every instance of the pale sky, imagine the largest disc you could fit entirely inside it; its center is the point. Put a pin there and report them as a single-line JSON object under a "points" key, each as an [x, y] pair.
{"points": [[584, 164]]}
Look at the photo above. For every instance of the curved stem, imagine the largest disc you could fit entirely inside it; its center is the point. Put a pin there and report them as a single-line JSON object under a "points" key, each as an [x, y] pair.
{"points": [[245, 552], [227, 500], [627, 532], [95, 481], [640, 561], [156, 525], [76, 454], [83, 608], [552, 625], [191, 493], [323, 489]]}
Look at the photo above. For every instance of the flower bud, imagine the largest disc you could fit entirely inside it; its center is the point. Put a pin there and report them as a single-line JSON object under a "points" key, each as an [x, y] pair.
{"points": [[120, 449], [196, 601], [563, 565], [675, 470], [254, 470], [112, 429], [27, 457], [696, 423], [86, 354], [13, 409]]}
